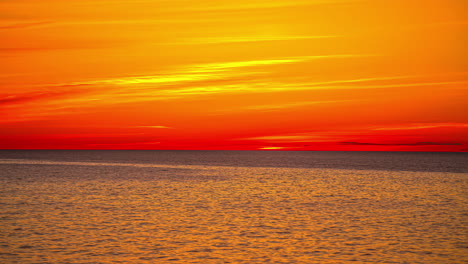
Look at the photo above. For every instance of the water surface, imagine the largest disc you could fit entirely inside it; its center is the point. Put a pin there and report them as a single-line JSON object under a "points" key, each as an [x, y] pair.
{"points": [[185, 207]]}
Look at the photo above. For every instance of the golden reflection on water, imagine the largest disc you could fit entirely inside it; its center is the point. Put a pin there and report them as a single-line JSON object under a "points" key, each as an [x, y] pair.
{"points": [[194, 214]]}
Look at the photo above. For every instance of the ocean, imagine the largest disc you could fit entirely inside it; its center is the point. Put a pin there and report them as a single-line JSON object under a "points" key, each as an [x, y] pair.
{"points": [[83, 206]]}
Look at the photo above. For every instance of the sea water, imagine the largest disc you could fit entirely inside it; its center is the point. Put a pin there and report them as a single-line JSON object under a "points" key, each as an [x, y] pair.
{"points": [[233, 207]]}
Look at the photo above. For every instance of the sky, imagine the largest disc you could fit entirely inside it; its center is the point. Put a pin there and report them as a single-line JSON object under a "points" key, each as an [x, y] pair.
{"points": [[361, 75]]}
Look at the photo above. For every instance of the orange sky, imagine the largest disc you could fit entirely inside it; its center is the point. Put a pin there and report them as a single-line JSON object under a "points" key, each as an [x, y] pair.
{"points": [[244, 74]]}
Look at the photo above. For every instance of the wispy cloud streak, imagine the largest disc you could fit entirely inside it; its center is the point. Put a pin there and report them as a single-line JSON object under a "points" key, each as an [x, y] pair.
{"points": [[402, 144], [21, 25], [161, 127], [424, 126], [248, 76], [243, 39]]}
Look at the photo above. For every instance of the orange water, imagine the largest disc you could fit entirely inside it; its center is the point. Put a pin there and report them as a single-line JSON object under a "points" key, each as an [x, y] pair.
{"points": [[65, 212]]}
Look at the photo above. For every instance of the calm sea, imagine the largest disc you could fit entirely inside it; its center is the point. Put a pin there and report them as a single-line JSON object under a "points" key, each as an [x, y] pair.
{"points": [[233, 207]]}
